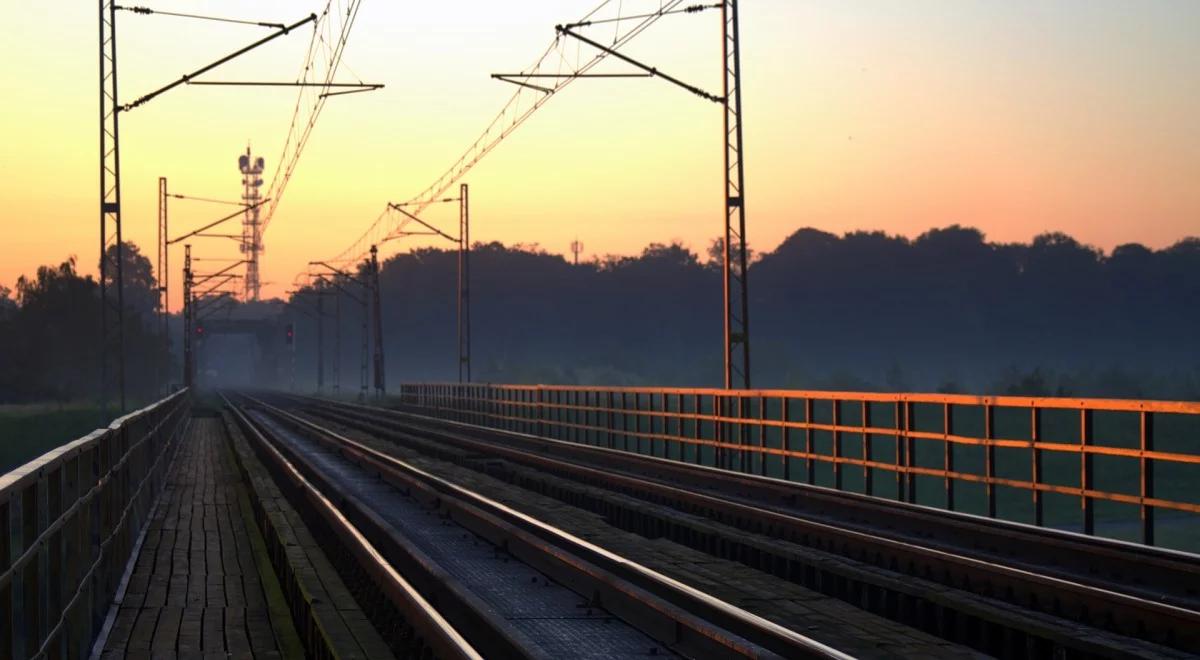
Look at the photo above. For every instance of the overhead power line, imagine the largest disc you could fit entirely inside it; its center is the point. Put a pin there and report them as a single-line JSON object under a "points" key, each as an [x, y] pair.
{"points": [[219, 19], [321, 64], [557, 67]]}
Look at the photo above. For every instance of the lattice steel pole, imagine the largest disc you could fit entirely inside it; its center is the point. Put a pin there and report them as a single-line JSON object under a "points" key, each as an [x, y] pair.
{"points": [[320, 340], [380, 375], [362, 369], [187, 316], [737, 304], [163, 270], [112, 294], [337, 343], [464, 286]]}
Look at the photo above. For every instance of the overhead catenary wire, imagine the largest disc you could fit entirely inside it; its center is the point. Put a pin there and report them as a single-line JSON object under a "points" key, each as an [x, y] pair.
{"points": [[526, 100], [322, 62], [206, 199], [686, 10], [219, 19]]}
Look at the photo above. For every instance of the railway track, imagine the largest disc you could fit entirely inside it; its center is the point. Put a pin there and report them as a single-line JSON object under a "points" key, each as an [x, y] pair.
{"points": [[1001, 588], [475, 578]]}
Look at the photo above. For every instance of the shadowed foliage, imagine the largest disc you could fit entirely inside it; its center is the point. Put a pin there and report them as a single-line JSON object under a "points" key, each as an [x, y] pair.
{"points": [[945, 311], [49, 330]]}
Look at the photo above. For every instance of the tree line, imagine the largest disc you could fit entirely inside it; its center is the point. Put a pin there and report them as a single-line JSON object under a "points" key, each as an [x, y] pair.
{"points": [[50, 333], [947, 310]]}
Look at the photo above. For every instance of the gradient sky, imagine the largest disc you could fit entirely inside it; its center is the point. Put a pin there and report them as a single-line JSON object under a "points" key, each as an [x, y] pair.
{"points": [[1017, 117]]}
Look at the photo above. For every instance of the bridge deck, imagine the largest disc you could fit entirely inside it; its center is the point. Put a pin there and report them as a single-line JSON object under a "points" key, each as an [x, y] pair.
{"points": [[202, 584]]}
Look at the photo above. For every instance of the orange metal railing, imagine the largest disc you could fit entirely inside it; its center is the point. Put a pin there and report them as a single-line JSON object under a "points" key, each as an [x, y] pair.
{"points": [[1116, 468]]}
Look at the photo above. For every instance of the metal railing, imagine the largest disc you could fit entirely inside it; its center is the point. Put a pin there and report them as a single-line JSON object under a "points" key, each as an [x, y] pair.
{"points": [[69, 521], [1121, 469]]}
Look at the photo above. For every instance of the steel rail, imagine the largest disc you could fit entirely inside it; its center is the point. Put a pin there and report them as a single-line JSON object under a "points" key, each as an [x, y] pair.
{"points": [[929, 542], [786, 492], [696, 620], [438, 634]]}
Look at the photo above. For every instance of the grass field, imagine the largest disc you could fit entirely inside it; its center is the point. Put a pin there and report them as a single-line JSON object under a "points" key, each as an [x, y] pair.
{"points": [[28, 431]]}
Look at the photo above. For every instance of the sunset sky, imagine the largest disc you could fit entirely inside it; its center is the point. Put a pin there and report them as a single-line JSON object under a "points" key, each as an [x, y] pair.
{"points": [[1016, 117]]}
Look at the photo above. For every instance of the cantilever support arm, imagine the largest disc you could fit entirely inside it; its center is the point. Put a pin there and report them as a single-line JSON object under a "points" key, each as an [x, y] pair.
{"points": [[235, 237], [339, 271], [231, 216], [343, 289], [208, 298], [187, 77], [344, 88], [428, 226], [644, 67], [213, 289], [219, 272], [504, 77]]}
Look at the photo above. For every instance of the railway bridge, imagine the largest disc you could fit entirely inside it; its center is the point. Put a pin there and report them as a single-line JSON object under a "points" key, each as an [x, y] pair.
{"points": [[474, 520]]}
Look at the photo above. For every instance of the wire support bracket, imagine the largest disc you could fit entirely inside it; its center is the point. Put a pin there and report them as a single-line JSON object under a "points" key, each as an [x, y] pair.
{"points": [[564, 30], [209, 67]]}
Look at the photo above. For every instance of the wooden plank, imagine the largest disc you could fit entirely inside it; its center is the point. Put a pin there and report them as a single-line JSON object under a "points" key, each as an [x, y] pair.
{"points": [[214, 590], [118, 636], [236, 637], [142, 634], [177, 590], [190, 630], [213, 630], [156, 590], [166, 634], [259, 630]]}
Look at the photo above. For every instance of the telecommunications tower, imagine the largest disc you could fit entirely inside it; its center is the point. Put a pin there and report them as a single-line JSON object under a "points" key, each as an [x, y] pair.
{"points": [[252, 169]]}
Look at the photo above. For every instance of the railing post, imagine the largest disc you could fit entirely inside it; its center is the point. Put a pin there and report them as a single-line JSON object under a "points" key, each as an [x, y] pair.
{"points": [[1036, 464], [762, 436], [7, 622], [1085, 472], [1146, 436], [612, 421], [31, 577], [719, 430], [836, 450], [898, 473], [948, 453], [868, 487], [785, 438], [910, 479], [697, 429], [637, 422], [541, 413], [810, 463], [989, 458]]}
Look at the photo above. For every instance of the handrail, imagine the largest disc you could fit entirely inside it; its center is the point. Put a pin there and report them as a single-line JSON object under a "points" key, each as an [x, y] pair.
{"points": [[71, 517], [926, 448]]}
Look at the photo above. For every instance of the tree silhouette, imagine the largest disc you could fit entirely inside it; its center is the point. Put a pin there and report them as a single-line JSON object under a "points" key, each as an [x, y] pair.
{"points": [[947, 310], [48, 347]]}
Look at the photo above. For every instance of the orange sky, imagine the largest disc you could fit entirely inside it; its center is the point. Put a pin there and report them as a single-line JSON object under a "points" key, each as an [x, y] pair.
{"points": [[1015, 117]]}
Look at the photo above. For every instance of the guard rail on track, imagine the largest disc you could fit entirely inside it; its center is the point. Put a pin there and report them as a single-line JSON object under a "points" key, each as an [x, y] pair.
{"points": [[1097, 466], [69, 521]]}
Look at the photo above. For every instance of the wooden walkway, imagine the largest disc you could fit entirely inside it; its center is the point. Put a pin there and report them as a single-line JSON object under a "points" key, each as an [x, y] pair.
{"points": [[202, 585]]}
